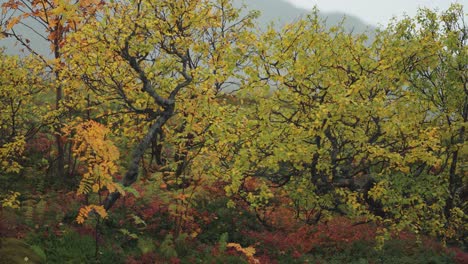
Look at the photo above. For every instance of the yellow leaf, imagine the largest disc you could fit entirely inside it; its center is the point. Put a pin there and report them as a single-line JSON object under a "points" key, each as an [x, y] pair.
{"points": [[13, 22]]}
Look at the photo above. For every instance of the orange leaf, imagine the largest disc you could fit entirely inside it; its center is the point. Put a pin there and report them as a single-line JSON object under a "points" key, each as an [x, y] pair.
{"points": [[13, 22]]}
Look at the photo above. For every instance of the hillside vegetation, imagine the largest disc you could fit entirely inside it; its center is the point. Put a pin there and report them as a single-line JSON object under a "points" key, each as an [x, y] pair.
{"points": [[181, 132]]}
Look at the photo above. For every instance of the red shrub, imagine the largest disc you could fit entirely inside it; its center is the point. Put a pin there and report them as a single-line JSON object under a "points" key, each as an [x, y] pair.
{"points": [[85, 230], [39, 144], [154, 208], [460, 256], [264, 258], [338, 233]]}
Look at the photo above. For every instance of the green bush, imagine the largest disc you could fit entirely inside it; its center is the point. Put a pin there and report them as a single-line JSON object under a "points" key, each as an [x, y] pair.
{"points": [[227, 220], [72, 247]]}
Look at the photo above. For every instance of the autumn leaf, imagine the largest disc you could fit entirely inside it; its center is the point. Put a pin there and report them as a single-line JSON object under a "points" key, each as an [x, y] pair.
{"points": [[12, 22]]}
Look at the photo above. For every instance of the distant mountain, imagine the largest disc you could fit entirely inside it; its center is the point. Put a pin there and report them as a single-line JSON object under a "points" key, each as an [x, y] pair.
{"points": [[281, 12], [278, 11]]}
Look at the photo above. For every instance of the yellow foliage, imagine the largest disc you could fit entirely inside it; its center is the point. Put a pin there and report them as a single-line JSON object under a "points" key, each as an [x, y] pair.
{"points": [[84, 212], [92, 147], [249, 252], [9, 152], [11, 200], [13, 22], [20, 85], [378, 190]]}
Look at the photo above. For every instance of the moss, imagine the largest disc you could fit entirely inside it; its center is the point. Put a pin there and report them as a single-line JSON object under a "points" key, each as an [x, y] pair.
{"points": [[16, 251]]}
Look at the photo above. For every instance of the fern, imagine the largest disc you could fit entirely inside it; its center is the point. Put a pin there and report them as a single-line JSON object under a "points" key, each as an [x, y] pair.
{"points": [[249, 252], [223, 241], [93, 148], [86, 184], [146, 245], [85, 211], [28, 213], [40, 210], [167, 247], [128, 234]]}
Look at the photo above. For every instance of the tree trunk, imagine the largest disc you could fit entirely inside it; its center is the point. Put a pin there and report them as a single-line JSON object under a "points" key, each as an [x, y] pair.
{"points": [[132, 173]]}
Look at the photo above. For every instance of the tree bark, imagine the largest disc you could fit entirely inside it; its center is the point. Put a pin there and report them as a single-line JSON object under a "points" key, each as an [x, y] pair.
{"points": [[132, 172]]}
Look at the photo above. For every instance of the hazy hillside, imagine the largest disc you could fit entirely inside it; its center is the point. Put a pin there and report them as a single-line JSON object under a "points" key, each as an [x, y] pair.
{"points": [[282, 12], [277, 11]]}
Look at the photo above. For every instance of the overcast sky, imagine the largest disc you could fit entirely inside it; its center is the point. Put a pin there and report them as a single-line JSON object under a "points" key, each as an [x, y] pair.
{"points": [[376, 11]]}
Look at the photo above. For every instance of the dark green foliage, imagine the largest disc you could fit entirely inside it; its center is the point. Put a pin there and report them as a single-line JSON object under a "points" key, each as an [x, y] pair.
{"points": [[71, 247], [145, 244], [223, 259], [228, 221], [223, 239], [167, 248]]}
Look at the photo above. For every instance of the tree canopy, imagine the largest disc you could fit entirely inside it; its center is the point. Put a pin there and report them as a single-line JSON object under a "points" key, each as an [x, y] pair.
{"points": [[183, 102]]}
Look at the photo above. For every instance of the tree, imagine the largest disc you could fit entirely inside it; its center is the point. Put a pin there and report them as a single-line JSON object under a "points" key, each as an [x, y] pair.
{"points": [[311, 122], [336, 124], [439, 76], [51, 22], [21, 84], [156, 71]]}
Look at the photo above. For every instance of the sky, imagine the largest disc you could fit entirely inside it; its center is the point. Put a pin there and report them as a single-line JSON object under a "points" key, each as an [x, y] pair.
{"points": [[376, 11]]}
